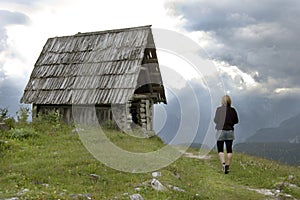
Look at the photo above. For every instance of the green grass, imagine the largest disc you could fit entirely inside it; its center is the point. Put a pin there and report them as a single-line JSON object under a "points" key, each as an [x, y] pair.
{"points": [[55, 165]]}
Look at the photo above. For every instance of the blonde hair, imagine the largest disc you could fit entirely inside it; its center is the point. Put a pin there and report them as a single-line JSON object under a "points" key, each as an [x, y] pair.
{"points": [[226, 100]]}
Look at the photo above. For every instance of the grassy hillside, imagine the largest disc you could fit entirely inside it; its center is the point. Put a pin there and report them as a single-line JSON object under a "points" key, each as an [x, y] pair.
{"points": [[47, 160], [283, 152]]}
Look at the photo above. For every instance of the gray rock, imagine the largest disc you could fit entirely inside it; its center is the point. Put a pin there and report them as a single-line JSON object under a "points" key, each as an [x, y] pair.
{"points": [[76, 130], [156, 174], [24, 191], [136, 197], [291, 177], [157, 185], [176, 188], [45, 185], [81, 196], [94, 177]]}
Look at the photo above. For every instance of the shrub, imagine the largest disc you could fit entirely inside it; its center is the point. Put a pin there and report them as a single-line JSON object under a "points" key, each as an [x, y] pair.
{"points": [[10, 123], [51, 117], [6, 122], [23, 115], [23, 133], [49, 123], [3, 114]]}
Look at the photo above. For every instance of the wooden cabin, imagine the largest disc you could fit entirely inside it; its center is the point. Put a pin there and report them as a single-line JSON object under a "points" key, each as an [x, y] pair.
{"points": [[96, 73]]}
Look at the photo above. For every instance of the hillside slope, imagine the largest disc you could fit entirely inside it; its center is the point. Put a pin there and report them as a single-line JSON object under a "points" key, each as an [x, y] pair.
{"points": [[283, 152], [287, 132], [280, 143], [53, 164]]}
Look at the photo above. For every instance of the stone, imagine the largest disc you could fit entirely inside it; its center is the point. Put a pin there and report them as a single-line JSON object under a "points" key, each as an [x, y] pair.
{"points": [[45, 185], [94, 177], [156, 174], [76, 130], [176, 188], [81, 196], [24, 191], [291, 177], [136, 197], [157, 185]]}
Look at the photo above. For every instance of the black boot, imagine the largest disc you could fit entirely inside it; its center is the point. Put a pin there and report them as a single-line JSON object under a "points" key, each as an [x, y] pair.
{"points": [[226, 169]]}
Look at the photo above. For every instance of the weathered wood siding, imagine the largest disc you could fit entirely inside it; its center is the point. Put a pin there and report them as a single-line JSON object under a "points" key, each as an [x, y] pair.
{"points": [[83, 114]]}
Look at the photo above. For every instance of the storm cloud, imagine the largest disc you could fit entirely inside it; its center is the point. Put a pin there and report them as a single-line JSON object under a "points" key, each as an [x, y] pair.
{"points": [[260, 37], [9, 18], [10, 90], [256, 46]]}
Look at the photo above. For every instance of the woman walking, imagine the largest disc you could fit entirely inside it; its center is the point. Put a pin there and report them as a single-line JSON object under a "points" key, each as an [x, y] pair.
{"points": [[225, 118]]}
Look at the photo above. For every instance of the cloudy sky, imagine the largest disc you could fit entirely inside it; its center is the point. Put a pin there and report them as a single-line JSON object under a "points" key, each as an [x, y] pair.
{"points": [[253, 43]]}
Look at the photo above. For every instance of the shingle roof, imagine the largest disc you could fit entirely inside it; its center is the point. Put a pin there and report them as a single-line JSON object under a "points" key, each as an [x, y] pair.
{"points": [[90, 68]]}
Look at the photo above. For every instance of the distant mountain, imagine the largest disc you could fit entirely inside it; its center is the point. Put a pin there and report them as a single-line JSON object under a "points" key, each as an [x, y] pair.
{"points": [[281, 143], [288, 131]]}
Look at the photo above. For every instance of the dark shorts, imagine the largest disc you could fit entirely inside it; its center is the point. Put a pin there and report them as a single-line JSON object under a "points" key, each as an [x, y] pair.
{"points": [[223, 135]]}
